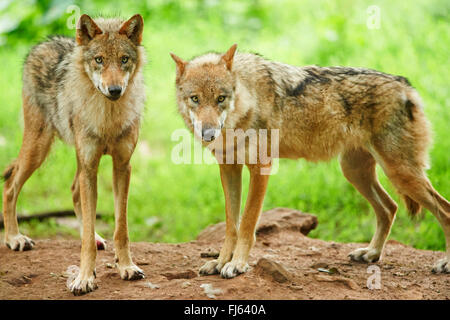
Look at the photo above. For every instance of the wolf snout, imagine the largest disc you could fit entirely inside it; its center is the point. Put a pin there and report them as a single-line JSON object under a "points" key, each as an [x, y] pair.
{"points": [[114, 92], [208, 134]]}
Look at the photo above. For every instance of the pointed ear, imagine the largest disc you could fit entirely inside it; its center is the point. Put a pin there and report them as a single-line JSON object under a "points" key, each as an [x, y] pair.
{"points": [[133, 29], [87, 29], [227, 58], [181, 65]]}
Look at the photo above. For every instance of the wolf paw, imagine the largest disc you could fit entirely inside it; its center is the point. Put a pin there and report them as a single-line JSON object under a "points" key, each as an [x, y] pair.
{"points": [[365, 255], [81, 285], [131, 272], [211, 267], [441, 266], [19, 242], [233, 269]]}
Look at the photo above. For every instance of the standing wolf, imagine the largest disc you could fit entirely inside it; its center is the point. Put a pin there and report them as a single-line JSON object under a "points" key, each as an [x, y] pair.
{"points": [[364, 116], [90, 92]]}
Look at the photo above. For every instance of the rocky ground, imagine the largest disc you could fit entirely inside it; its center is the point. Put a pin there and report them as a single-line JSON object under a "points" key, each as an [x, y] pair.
{"points": [[285, 264]]}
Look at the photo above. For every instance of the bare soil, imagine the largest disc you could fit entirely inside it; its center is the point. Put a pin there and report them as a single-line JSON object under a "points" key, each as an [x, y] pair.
{"points": [[285, 264]]}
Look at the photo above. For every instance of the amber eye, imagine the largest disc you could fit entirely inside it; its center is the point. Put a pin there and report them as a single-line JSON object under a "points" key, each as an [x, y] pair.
{"points": [[194, 99], [124, 59], [99, 60], [221, 99]]}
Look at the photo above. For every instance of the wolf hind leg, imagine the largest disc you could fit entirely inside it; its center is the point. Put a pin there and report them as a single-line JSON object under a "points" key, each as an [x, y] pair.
{"points": [[411, 180], [37, 139], [100, 242], [358, 166]]}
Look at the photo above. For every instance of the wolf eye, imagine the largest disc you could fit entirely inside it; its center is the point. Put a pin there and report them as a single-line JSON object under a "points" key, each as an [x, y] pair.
{"points": [[99, 60], [194, 99], [221, 99], [124, 59]]}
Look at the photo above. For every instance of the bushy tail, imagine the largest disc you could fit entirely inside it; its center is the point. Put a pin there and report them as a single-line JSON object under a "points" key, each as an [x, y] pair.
{"points": [[413, 207]]}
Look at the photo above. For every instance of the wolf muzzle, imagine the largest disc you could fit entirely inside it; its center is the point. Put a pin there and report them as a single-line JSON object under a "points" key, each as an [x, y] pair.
{"points": [[114, 92], [209, 133]]}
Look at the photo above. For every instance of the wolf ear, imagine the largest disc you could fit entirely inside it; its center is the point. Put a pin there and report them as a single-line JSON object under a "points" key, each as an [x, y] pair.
{"points": [[87, 29], [133, 29], [181, 65], [228, 56]]}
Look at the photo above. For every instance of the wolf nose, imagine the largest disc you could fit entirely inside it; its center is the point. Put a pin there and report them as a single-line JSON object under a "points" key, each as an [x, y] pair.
{"points": [[208, 134], [115, 91]]}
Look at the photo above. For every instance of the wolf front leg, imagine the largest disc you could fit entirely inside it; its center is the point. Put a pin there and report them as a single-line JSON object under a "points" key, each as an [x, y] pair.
{"points": [[252, 211], [231, 177], [121, 182], [88, 157]]}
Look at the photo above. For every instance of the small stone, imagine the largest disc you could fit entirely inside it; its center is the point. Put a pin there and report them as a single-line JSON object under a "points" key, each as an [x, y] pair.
{"points": [[329, 271], [295, 287], [347, 282], [150, 285], [210, 254], [273, 269], [210, 291], [189, 274], [319, 264]]}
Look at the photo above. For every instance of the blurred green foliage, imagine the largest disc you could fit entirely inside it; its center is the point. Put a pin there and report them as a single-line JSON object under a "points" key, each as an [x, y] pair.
{"points": [[170, 202]]}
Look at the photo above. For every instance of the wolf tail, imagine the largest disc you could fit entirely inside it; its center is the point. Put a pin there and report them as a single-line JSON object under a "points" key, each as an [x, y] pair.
{"points": [[413, 207]]}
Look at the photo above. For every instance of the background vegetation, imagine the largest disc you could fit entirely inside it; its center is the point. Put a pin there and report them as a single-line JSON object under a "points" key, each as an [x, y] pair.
{"points": [[170, 202]]}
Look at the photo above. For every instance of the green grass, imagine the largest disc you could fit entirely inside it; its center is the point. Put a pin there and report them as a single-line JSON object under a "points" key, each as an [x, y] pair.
{"points": [[412, 41]]}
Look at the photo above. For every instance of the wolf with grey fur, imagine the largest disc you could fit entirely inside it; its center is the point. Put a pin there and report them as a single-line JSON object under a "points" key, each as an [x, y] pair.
{"points": [[89, 92], [363, 116]]}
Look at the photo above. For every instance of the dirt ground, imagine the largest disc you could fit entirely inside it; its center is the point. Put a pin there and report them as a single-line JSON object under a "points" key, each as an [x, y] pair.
{"points": [[285, 264]]}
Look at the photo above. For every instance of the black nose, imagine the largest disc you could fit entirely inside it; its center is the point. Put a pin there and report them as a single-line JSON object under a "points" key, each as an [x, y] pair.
{"points": [[115, 91], [208, 134]]}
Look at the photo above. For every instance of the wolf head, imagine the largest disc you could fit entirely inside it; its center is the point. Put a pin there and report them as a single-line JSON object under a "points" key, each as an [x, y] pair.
{"points": [[205, 92], [110, 52]]}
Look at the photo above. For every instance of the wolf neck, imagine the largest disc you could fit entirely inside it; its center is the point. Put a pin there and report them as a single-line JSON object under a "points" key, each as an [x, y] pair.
{"points": [[249, 80]]}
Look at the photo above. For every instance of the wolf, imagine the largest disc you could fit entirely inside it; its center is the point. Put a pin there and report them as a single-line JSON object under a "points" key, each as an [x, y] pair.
{"points": [[361, 115], [90, 92]]}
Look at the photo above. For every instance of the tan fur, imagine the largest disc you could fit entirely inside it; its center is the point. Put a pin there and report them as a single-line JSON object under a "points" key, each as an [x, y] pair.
{"points": [[64, 94], [363, 116]]}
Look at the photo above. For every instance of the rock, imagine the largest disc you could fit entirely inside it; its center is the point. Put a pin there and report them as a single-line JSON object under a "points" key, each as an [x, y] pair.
{"points": [[329, 271], [150, 285], [271, 221], [185, 284], [335, 245], [210, 291], [295, 287], [347, 282], [210, 254], [279, 219], [189, 274], [319, 264], [413, 295], [273, 269], [20, 281]]}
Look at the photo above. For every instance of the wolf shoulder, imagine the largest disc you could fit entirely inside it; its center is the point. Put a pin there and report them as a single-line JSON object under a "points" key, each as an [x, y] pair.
{"points": [[45, 67]]}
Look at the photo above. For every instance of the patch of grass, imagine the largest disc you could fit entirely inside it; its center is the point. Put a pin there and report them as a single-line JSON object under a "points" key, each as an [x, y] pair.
{"points": [[170, 202]]}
